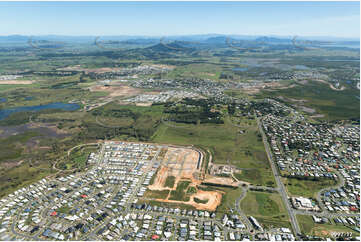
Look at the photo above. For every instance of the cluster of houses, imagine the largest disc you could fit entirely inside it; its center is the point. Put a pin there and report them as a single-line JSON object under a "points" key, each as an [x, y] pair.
{"points": [[131, 72], [204, 87], [162, 97], [103, 203], [347, 221], [309, 74], [313, 151], [302, 149], [279, 234], [21, 210], [9, 77], [71, 207]]}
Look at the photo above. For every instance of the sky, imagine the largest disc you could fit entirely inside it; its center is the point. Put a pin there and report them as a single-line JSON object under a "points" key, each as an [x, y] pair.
{"points": [[336, 19]]}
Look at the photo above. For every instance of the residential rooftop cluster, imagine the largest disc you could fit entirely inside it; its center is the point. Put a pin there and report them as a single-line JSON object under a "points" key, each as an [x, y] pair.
{"points": [[162, 97], [9, 77], [132, 72], [319, 151], [106, 202]]}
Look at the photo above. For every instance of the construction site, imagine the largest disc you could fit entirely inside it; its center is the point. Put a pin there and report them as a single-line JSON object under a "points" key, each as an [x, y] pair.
{"points": [[181, 172]]}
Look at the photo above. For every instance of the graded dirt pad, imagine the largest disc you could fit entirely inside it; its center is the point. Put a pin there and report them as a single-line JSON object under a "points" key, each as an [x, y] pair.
{"points": [[159, 180], [221, 181], [182, 164], [116, 91], [144, 104], [214, 200], [177, 162], [16, 82]]}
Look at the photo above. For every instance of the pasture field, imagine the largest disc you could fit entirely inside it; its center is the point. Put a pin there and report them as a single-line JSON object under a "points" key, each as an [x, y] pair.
{"points": [[306, 188], [209, 71], [333, 104], [163, 194], [267, 208]]}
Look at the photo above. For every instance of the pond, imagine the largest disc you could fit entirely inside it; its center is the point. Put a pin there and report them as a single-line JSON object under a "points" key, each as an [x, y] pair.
{"points": [[63, 106]]}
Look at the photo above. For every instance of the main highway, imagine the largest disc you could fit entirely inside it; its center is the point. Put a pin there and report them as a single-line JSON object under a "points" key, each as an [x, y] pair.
{"points": [[280, 186]]}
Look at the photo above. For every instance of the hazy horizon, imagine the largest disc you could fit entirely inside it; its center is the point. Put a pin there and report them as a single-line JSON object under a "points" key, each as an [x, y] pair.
{"points": [[188, 35], [154, 19]]}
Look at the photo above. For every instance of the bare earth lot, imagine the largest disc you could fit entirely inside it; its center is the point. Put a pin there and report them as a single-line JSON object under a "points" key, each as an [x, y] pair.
{"points": [[182, 163], [116, 91], [16, 82]]}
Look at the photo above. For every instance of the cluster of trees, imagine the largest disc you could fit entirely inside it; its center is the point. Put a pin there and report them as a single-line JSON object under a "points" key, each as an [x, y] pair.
{"points": [[117, 113], [142, 128], [298, 144], [231, 108], [194, 111]]}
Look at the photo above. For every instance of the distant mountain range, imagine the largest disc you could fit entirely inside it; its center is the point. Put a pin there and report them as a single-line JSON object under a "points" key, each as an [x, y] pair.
{"points": [[179, 37], [207, 39]]}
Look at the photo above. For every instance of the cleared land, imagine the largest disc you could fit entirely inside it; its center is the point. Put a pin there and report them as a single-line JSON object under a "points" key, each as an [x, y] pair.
{"points": [[16, 82], [116, 91], [180, 163], [180, 171]]}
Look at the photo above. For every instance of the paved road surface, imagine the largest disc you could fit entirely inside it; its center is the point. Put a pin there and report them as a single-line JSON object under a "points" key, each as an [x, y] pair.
{"points": [[279, 183]]}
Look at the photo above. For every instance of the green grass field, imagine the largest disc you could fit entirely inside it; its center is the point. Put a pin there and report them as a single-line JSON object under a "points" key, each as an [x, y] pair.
{"points": [[309, 227], [331, 103], [228, 199], [116, 122], [180, 193], [79, 157], [169, 182], [226, 145], [20, 176], [306, 188], [191, 190], [268, 208], [206, 71], [163, 194]]}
